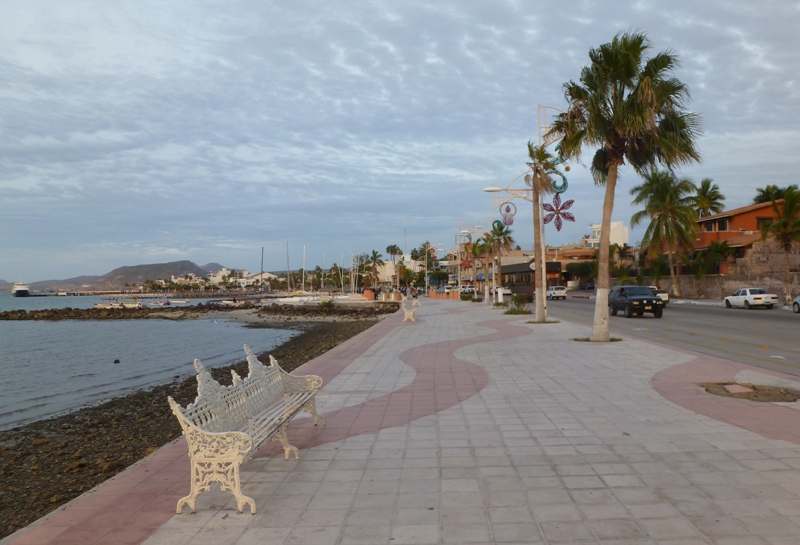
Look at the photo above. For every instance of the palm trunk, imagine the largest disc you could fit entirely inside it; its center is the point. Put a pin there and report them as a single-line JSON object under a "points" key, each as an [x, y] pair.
{"points": [[788, 289], [600, 324], [538, 260], [487, 289], [675, 286]]}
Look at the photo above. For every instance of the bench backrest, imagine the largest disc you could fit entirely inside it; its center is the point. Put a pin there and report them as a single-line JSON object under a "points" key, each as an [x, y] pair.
{"points": [[219, 408]]}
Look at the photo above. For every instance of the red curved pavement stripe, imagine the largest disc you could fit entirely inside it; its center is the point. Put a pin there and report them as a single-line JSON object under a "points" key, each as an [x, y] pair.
{"points": [[679, 384], [442, 381], [130, 507]]}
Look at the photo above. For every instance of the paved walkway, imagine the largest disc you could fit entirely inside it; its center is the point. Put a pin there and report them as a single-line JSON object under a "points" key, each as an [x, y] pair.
{"points": [[470, 426]]}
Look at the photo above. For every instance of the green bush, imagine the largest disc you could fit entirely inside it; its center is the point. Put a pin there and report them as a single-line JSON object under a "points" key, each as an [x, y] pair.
{"points": [[521, 302], [329, 304], [466, 297]]}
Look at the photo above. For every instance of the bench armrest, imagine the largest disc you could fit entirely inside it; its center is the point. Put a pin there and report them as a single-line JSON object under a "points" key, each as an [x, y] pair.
{"points": [[293, 384], [232, 445]]}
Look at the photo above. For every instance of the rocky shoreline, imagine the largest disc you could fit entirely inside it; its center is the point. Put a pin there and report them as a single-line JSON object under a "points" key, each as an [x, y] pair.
{"points": [[358, 310], [48, 463]]}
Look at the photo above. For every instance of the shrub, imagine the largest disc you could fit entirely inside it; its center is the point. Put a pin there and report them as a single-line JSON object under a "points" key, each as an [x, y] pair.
{"points": [[329, 304], [521, 302]]}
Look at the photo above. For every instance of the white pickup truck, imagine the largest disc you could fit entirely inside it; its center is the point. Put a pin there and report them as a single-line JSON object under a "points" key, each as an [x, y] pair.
{"points": [[662, 294]]}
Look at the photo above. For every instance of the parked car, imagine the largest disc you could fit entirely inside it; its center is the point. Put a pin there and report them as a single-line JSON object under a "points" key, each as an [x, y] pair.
{"points": [[751, 297], [663, 294], [556, 292], [589, 285], [634, 300], [796, 305], [505, 289], [467, 289]]}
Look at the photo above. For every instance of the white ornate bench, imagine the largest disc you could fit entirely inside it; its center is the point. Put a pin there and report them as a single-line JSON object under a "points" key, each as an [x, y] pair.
{"points": [[409, 306], [226, 424]]}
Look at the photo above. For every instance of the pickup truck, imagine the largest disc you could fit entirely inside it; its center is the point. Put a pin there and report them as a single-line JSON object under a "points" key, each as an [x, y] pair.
{"points": [[662, 294]]}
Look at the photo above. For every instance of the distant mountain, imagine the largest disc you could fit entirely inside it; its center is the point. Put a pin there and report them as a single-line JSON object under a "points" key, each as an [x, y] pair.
{"points": [[117, 278], [139, 273], [212, 267], [67, 284]]}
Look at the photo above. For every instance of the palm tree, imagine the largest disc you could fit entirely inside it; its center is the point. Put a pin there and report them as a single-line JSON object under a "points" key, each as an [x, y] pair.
{"points": [[394, 251], [706, 261], [479, 250], [786, 230], [540, 182], [631, 109], [499, 239], [372, 263], [669, 204], [708, 199], [771, 193], [656, 266]]}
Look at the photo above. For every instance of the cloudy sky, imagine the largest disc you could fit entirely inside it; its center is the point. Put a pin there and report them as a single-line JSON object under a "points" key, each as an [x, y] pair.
{"points": [[144, 132]]}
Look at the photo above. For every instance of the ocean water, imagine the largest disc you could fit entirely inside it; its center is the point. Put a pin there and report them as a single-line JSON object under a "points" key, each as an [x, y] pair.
{"points": [[9, 302], [47, 368]]}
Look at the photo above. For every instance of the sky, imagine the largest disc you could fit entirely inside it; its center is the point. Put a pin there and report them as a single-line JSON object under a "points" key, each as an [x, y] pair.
{"points": [[147, 132]]}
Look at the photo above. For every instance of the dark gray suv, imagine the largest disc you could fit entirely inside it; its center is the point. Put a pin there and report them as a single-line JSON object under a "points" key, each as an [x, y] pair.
{"points": [[634, 300]]}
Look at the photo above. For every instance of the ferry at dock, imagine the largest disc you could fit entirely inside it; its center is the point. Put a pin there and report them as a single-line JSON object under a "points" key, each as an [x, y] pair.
{"points": [[20, 289]]}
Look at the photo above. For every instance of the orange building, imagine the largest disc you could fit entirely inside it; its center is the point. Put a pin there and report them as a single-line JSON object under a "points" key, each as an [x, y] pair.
{"points": [[740, 228]]}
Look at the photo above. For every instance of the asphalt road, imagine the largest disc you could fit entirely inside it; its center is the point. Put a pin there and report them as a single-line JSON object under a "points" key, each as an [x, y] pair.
{"points": [[766, 338]]}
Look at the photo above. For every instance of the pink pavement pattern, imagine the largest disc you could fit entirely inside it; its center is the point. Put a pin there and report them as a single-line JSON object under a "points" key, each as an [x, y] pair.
{"points": [[127, 509], [679, 384]]}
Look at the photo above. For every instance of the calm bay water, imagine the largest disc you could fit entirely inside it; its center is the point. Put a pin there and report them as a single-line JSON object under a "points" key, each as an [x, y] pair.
{"points": [[50, 367], [9, 302]]}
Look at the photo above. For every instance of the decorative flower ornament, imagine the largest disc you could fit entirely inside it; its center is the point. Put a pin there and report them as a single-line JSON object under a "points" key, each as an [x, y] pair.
{"points": [[557, 211], [508, 212]]}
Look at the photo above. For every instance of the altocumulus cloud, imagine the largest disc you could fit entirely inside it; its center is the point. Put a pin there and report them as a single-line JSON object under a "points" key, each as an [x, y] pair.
{"points": [[136, 132]]}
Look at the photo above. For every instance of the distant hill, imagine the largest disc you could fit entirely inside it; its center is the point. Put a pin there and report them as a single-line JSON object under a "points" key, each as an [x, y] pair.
{"points": [[137, 274], [212, 267], [67, 284]]}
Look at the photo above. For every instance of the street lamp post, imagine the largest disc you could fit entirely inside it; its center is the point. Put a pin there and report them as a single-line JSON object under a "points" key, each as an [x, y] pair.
{"points": [[427, 253], [526, 194], [466, 232]]}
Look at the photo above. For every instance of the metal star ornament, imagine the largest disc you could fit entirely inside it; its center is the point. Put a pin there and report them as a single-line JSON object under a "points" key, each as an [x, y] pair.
{"points": [[557, 211]]}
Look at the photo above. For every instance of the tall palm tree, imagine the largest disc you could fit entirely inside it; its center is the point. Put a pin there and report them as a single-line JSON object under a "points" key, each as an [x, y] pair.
{"points": [[394, 250], [669, 204], [631, 109], [372, 263], [708, 199], [539, 181], [786, 230], [499, 239]]}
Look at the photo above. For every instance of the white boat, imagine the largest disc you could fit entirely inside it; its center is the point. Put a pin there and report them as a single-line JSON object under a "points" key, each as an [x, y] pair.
{"points": [[132, 304], [158, 304], [178, 301], [108, 305], [20, 289]]}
